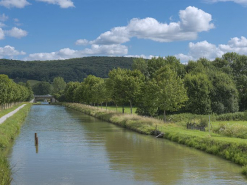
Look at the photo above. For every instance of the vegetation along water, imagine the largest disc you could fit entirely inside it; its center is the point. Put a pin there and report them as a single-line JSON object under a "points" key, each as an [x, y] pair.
{"points": [[80, 149], [8, 132], [184, 96]]}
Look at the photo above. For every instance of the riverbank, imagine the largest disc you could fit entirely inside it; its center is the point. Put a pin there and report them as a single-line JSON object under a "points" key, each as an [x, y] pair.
{"points": [[233, 149], [9, 129]]}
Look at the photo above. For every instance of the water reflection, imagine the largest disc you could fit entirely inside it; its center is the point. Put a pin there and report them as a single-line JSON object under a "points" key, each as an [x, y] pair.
{"points": [[78, 149]]}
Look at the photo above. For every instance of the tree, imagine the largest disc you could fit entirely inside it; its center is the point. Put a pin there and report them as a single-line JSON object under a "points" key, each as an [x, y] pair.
{"points": [[5, 89], [42, 88], [155, 64], [175, 64], [58, 85], [141, 65], [90, 93], [198, 89], [125, 85], [70, 90], [148, 101], [224, 94], [172, 93]]}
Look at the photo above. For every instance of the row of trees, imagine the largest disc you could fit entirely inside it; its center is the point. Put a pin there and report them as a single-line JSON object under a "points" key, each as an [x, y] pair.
{"points": [[10, 92], [56, 88], [164, 84], [159, 88]]}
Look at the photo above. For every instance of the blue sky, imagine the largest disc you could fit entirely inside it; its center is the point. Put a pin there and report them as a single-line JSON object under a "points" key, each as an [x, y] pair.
{"points": [[61, 29]]}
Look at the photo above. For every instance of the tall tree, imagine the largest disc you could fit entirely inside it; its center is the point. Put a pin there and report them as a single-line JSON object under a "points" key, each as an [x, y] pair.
{"points": [[70, 90], [126, 85], [172, 93], [141, 65], [58, 85], [198, 89]]}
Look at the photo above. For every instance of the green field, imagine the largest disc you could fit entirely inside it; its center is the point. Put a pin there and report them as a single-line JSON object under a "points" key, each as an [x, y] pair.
{"points": [[33, 82]]}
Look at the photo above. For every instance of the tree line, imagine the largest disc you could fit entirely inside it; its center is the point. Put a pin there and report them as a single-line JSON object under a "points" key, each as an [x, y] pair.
{"points": [[11, 92], [162, 85]]}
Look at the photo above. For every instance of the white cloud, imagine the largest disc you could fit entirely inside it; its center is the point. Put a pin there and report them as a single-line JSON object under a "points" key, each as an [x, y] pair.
{"points": [[2, 35], [211, 51], [16, 32], [3, 17], [9, 51], [195, 20], [242, 2], [142, 56], [192, 21], [14, 3], [2, 25], [67, 53], [184, 57], [82, 42], [61, 3]]}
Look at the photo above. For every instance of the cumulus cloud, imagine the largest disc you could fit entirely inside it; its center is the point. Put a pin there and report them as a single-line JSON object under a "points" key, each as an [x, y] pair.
{"points": [[211, 51], [61, 3], [2, 25], [9, 51], [192, 21], [16, 32], [242, 2], [195, 20], [82, 42], [14, 3], [67, 53], [142, 56]]}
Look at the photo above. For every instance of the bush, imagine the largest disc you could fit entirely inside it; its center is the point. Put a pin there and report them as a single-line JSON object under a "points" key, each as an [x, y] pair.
{"points": [[244, 170], [237, 116]]}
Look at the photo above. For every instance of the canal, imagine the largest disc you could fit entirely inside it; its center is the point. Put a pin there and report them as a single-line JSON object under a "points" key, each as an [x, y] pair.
{"points": [[78, 149]]}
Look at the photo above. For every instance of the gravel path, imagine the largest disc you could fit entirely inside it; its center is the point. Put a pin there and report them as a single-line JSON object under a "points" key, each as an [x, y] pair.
{"points": [[2, 119]]}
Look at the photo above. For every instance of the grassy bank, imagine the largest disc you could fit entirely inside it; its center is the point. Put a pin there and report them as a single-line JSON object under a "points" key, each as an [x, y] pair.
{"points": [[233, 149], [8, 131]]}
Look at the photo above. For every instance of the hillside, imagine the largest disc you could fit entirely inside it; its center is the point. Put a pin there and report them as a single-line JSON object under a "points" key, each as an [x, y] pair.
{"points": [[71, 70]]}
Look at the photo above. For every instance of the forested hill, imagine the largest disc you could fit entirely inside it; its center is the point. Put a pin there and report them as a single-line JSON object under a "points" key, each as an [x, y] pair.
{"points": [[71, 70]]}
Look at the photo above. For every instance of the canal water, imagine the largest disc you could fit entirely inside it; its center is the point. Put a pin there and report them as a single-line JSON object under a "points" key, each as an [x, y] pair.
{"points": [[78, 149]]}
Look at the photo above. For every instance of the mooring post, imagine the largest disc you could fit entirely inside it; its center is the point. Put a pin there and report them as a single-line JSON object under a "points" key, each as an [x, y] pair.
{"points": [[36, 139]]}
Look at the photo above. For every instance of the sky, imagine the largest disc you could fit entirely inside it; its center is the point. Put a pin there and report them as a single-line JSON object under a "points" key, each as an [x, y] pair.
{"points": [[63, 29]]}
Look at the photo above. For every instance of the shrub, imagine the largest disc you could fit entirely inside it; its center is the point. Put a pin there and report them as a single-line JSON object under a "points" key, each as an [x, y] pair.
{"points": [[237, 116]]}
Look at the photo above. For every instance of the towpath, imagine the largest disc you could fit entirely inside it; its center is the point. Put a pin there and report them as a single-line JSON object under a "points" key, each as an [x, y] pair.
{"points": [[3, 118]]}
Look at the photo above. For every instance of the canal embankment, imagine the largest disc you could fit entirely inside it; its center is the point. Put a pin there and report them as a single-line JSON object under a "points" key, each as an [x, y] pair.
{"points": [[9, 129], [233, 149]]}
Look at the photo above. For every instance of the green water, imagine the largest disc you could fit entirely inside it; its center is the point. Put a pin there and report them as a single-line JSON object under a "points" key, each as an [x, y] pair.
{"points": [[77, 149]]}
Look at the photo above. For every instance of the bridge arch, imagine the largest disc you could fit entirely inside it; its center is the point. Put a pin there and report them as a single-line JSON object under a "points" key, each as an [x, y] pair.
{"points": [[41, 97]]}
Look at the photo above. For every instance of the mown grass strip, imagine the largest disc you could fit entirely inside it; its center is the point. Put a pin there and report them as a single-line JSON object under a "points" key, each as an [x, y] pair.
{"points": [[8, 132], [233, 149], [6, 111]]}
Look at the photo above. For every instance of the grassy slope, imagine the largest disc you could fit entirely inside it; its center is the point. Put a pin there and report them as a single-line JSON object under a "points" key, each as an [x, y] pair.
{"points": [[8, 131], [233, 149]]}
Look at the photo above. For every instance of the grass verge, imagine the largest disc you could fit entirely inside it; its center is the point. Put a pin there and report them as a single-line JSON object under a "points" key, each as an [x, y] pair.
{"points": [[8, 132], [233, 149]]}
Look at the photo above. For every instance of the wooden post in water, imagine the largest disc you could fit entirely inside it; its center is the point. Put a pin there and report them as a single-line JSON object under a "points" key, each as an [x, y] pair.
{"points": [[36, 139]]}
